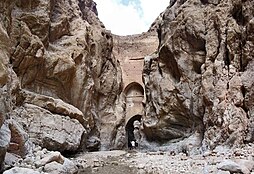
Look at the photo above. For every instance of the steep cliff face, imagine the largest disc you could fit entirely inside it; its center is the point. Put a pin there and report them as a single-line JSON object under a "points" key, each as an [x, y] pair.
{"points": [[62, 88], [58, 77], [201, 83]]}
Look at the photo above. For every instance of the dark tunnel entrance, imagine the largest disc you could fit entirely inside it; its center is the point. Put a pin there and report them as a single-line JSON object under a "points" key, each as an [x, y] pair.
{"points": [[130, 129]]}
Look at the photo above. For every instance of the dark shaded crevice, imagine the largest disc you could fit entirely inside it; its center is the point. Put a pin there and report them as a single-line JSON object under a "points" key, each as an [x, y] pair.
{"points": [[158, 30], [244, 107], [237, 14], [168, 58], [243, 90], [243, 60], [69, 154], [197, 66], [172, 2], [208, 2], [181, 2], [197, 43], [226, 57], [204, 1], [146, 71]]}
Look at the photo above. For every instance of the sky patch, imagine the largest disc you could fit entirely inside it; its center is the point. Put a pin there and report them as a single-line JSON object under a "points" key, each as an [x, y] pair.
{"points": [[126, 17]]}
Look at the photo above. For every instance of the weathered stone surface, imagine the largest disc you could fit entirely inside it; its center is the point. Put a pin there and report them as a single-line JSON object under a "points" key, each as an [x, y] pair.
{"points": [[52, 156], [247, 88], [67, 167], [160, 162], [55, 132], [93, 143], [19, 142], [3, 74], [66, 91], [5, 136], [240, 166], [4, 55], [62, 57], [59, 29], [11, 160], [20, 170], [201, 79], [56, 106]]}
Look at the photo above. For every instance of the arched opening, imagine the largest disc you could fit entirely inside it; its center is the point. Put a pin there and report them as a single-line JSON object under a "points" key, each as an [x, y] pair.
{"points": [[134, 95], [130, 129], [134, 88]]}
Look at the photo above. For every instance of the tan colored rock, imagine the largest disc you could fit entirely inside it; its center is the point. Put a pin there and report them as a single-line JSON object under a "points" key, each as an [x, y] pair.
{"points": [[59, 29], [61, 54], [51, 131], [196, 83], [4, 55], [3, 74], [56, 106], [248, 93]]}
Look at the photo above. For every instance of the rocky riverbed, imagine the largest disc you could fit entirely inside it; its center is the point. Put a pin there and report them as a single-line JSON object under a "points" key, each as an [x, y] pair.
{"points": [[219, 161]]}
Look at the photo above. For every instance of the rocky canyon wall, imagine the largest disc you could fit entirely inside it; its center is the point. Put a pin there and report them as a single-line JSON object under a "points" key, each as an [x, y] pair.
{"points": [[68, 84], [58, 77], [199, 87]]}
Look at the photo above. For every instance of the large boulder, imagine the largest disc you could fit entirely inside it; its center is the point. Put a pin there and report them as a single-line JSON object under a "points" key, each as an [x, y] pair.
{"points": [[52, 131]]}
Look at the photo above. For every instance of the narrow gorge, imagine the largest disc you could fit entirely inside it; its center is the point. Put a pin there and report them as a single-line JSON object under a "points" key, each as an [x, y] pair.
{"points": [[69, 87]]}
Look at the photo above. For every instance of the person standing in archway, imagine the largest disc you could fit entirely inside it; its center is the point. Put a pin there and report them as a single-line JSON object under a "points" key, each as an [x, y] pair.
{"points": [[136, 132]]}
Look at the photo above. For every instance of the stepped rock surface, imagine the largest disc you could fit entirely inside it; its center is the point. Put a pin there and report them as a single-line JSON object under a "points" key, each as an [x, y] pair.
{"points": [[184, 88]]}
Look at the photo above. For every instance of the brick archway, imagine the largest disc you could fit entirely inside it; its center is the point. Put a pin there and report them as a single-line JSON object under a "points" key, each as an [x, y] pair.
{"points": [[134, 95]]}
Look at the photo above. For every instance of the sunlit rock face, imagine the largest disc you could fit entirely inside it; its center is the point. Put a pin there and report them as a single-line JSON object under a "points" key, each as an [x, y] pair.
{"points": [[58, 77], [201, 81]]}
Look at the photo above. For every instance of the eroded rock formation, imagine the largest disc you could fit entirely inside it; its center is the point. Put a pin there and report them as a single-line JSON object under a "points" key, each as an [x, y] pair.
{"points": [[67, 84], [200, 82], [58, 77]]}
